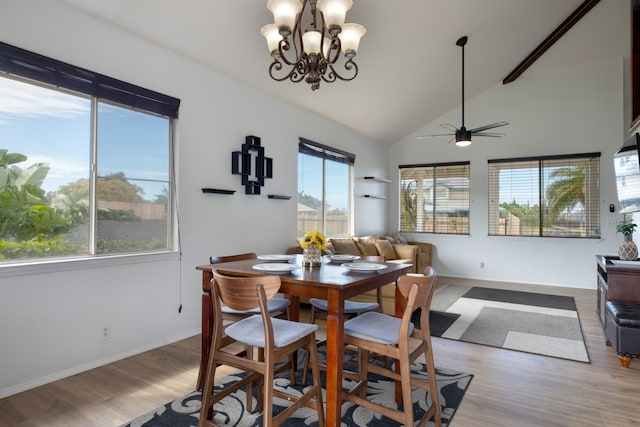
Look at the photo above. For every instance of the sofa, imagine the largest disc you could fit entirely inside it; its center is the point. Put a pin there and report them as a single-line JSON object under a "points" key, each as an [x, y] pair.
{"points": [[393, 247]]}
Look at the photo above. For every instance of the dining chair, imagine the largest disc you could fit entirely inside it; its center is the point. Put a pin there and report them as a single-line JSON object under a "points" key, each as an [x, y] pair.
{"points": [[277, 339], [278, 307], [319, 309], [399, 339]]}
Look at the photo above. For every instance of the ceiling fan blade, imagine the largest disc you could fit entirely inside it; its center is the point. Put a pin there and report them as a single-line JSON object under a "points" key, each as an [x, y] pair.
{"points": [[487, 127], [452, 128], [433, 136], [493, 135]]}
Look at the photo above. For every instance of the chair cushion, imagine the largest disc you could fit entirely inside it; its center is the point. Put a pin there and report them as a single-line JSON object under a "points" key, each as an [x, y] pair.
{"points": [[350, 307], [274, 305], [385, 249], [250, 331], [376, 327]]}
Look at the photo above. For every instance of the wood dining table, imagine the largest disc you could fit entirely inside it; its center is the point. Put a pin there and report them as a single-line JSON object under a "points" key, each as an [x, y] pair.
{"points": [[330, 281]]}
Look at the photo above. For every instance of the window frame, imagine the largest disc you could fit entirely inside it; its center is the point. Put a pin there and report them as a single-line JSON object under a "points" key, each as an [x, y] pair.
{"points": [[592, 201], [435, 167], [327, 153], [37, 70]]}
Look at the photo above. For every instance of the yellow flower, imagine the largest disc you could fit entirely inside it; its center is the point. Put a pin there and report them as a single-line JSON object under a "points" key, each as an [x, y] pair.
{"points": [[314, 238]]}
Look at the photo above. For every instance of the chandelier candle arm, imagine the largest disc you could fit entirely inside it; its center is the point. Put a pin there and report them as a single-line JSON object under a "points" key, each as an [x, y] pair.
{"points": [[310, 45]]}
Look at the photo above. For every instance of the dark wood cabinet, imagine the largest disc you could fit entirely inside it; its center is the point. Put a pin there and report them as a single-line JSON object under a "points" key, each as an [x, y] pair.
{"points": [[618, 282]]}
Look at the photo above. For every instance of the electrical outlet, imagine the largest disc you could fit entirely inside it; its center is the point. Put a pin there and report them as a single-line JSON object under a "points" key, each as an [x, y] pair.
{"points": [[482, 264], [106, 332]]}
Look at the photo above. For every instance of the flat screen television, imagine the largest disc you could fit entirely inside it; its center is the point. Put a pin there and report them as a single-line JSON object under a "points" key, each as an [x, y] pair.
{"points": [[626, 165]]}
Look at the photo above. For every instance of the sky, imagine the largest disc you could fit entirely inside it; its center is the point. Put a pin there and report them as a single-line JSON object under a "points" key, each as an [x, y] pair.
{"points": [[53, 127]]}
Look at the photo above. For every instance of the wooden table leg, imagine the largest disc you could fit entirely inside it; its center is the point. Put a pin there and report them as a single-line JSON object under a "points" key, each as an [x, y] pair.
{"points": [[335, 359], [207, 328]]}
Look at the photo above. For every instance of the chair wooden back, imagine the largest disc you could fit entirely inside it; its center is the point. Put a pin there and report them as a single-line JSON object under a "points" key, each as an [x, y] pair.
{"points": [[216, 259], [243, 293], [418, 292]]}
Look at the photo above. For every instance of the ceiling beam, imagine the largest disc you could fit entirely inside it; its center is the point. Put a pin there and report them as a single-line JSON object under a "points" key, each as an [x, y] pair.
{"points": [[577, 14]]}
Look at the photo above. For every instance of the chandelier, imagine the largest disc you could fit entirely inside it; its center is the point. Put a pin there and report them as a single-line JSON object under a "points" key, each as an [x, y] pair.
{"points": [[312, 53]]}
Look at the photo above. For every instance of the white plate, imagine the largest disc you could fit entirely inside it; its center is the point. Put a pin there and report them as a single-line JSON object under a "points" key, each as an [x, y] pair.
{"points": [[342, 257], [364, 266], [275, 258], [275, 267]]}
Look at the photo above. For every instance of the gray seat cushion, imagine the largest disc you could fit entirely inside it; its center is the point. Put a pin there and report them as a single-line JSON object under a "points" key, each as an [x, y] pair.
{"points": [[250, 331], [350, 307], [376, 327], [274, 305]]}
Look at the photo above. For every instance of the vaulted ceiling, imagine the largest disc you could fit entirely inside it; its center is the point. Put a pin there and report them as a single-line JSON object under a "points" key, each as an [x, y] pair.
{"points": [[409, 63]]}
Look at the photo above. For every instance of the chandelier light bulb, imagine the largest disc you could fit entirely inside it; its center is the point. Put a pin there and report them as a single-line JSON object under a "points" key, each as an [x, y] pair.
{"points": [[284, 14], [350, 38], [311, 42], [334, 11], [273, 36]]}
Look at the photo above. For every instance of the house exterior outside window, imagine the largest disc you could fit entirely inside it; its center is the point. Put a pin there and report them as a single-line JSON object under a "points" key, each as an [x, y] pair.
{"points": [[434, 198]]}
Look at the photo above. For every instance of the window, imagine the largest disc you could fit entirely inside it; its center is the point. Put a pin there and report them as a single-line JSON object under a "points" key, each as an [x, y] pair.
{"points": [[435, 198], [324, 189], [56, 121], [552, 196]]}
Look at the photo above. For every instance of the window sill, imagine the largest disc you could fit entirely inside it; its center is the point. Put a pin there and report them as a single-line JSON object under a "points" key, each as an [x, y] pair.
{"points": [[83, 263]]}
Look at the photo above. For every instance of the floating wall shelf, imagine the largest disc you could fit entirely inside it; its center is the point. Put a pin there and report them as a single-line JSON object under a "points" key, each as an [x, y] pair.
{"points": [[217, 191], [278, 196], [374, 179], [370, 196]]}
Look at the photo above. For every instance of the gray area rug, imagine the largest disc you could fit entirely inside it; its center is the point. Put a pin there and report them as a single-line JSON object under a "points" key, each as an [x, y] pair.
{"points": [[535, 323], [185, 411]]}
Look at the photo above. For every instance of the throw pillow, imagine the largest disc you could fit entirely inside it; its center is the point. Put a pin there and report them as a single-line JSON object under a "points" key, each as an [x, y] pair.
{"points": [[400, 239], [345, 246], [385, 249], [367, 246]]}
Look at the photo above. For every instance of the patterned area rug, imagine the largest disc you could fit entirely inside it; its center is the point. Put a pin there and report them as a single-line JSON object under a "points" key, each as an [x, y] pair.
{"points": [[185, 411], [534, 323]]}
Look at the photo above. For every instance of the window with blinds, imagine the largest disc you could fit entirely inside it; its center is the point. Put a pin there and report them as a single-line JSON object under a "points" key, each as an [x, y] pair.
{"points": [[551, 196], [434, 198]]}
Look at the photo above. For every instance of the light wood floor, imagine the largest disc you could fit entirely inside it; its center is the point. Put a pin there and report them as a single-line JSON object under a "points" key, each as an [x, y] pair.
{"points": [[509, 388]]}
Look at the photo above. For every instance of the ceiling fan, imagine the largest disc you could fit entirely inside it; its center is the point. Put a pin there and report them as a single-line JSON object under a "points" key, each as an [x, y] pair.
{"points": [[463, 135]]}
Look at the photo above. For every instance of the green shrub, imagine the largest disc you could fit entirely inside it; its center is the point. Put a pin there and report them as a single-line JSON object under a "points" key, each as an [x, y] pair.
{"points": [[38, 247]]}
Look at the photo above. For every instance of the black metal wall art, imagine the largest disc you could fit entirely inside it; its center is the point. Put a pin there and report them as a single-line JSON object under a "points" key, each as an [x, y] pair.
{"points": [[252, 154]]}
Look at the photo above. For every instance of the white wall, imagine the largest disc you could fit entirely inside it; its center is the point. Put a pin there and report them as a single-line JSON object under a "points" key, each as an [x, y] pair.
{"points": [[51, 318], [551, 110]]}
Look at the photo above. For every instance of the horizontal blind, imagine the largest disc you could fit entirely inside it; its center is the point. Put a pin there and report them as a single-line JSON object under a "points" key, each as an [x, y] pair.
{"points": [[33, 66], [435, 198], [550, 196]]}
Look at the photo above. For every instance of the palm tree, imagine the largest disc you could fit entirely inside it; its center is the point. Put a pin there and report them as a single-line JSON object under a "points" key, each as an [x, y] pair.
{"points": [[566, 192]]}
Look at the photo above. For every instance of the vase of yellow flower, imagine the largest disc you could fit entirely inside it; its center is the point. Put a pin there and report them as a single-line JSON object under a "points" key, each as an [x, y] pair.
{"points": [[313, 243]]}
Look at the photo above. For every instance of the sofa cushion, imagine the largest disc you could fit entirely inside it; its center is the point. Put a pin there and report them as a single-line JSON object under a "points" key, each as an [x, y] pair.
{"points": [[367, 246], [385, 249], [345, 246]]}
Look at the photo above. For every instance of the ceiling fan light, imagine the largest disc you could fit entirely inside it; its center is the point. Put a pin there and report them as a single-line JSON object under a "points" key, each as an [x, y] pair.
{"points": [[284, 14], [273, 36], [350, 38], [463, 142], [334, 11], [463, 137]]}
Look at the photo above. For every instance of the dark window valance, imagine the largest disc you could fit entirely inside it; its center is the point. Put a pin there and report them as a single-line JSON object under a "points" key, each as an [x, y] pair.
{"points": [[30, 65], [315, 149]]}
